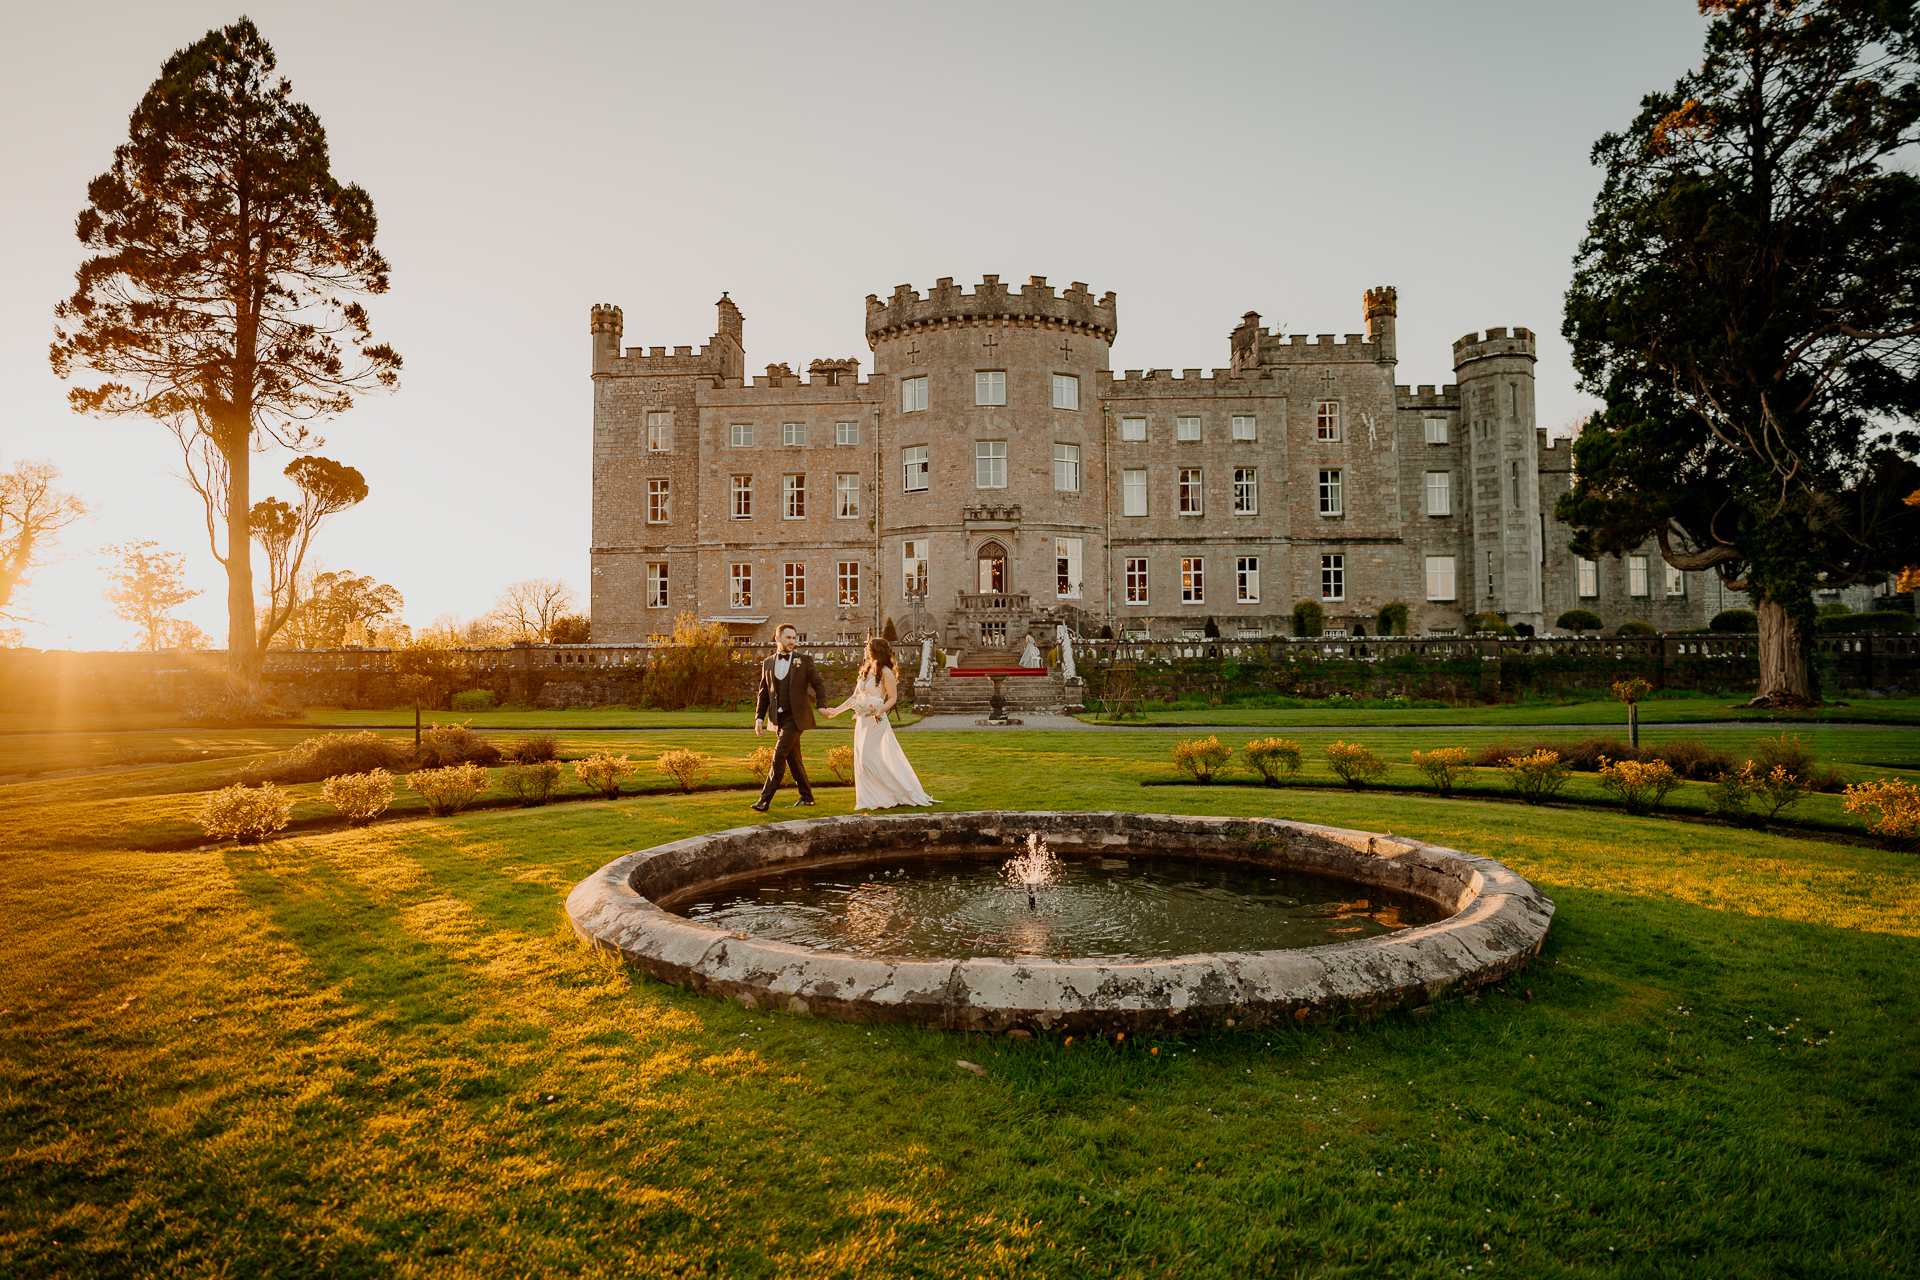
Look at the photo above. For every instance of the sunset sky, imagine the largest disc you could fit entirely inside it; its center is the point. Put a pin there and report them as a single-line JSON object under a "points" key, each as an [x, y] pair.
{"points": [[526, 161]]}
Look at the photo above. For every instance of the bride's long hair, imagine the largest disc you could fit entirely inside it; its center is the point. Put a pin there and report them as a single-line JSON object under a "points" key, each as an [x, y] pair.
{"points": [[879, 658]]}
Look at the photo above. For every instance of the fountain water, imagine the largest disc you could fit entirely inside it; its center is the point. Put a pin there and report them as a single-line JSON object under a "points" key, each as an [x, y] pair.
{"points": [[1037, 866]]}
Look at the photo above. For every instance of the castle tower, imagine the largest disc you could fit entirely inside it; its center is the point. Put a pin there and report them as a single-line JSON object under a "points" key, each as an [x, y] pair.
{"points": [[991, 434], [1382, 303], [1495, 373], [606, 325]]}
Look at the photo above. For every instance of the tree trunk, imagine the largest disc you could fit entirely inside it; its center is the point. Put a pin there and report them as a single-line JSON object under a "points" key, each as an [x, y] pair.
{"points": [[1786, 672], [243, 645]]}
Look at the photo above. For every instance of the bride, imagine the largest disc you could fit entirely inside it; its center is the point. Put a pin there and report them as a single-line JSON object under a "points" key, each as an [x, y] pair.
{"points": [[882, 778]]}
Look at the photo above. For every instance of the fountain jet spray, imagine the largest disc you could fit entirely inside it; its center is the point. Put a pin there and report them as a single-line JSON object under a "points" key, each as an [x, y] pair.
{"points": [[1035, 867]]}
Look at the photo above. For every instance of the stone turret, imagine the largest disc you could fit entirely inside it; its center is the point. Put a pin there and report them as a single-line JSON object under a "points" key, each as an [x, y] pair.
{"points": [[1382, 305], [606, 324], [1495, 372]]}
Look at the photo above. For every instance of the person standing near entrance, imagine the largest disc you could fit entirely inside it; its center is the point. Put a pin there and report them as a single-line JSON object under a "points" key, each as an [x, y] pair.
{"points": [[789, 690]]}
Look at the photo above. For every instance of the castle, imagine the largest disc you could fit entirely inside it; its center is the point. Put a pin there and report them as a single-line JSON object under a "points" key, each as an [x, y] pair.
{"points": [[993, 476]]}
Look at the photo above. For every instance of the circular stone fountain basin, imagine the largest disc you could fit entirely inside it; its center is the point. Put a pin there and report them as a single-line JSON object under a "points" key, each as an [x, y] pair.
{"points": [[1492, 922]]}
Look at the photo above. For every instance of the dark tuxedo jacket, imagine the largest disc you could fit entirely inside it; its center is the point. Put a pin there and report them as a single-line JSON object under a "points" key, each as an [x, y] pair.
{"points": [[792, 697]]}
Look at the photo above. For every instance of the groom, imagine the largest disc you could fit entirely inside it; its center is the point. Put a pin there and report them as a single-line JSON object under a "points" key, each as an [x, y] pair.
{"points": [[785, 681]]}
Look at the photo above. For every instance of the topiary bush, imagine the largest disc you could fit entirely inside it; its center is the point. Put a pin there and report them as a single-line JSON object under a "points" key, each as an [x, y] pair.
{"points": [[1276, 760], [1634, 629], [1490, 624], [1578, 620], [604, 771], [1392, 618], [1640, 784], [245, 814], [361, 797], [1354, 764], [1309, 619], [1854, 623], [1202, 758], [1537, 777], [685, 767], [473, 700], [1212, 630], [449, 789], [1735, 622]]}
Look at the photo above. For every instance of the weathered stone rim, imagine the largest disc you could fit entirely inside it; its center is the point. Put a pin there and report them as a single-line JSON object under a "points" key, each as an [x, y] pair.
{"points": [[1497, 923]]}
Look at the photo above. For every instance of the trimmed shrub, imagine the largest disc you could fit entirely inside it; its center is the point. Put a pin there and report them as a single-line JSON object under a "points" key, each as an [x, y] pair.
{"points": [[472, 700], [1735, 622], [362, 797], [246, 814], [328, 756], [1212, 630], [1489, 624], [1354, 764], [840, 760], [448, 789], [1392, 618], [1577, 620], [761, 761], [1634, 629], [684, 767], [1633, 689], [1833, 609], [1844, 624], [1640, 784], [531, 783], [1446, 767], [1690, 758], [1894, 806], [1201, 759], [1309, 619], [1537, 777], [604, 771], [535, 749], [1731, 794], [1106, 632], [442, 745], [1276, 760]]}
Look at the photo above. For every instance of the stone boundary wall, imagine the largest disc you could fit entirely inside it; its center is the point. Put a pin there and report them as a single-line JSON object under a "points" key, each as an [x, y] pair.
{"points": [[606, 675]]}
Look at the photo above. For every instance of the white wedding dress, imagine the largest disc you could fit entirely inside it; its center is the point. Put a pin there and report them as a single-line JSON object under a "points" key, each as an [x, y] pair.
{"points": [[882, 778]]}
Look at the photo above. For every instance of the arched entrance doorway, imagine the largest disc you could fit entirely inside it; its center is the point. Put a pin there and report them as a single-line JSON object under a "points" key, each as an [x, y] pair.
{"points": [[991, 562]]}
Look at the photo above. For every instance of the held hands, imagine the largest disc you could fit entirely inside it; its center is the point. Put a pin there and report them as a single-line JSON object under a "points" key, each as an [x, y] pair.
{"points": [[759, 727]]}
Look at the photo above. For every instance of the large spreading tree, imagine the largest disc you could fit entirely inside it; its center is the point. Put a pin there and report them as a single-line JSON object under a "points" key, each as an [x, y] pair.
{"points": [[1744, 303], [218, 297]]}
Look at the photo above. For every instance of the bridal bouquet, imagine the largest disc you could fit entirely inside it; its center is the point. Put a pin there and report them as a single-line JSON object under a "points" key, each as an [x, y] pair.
{"points": [[866, 702]]}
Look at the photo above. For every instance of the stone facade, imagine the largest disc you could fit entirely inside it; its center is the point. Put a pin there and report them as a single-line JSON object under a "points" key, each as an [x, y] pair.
{"points": [[993, 466]]}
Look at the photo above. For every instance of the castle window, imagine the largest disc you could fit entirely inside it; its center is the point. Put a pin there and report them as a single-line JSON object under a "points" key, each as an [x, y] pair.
{"points": [[846, 495], [1066, 391], [1513, 399], [1246, 579], [1514, 469], [740, 586], [1439, 493], [1066, 468], [1243, 429], [1676, 582], [1191, 497], [1133, 428], [659, 431], [1193, 583], [1333, 577], [794, 493], [659, 501], [1636, 575], [1246, 491], [913, 394], [846, 433], [1588, 575], [913, 566], [1186, 428], [1136, 580], [1133, 492], [795, 580], [656, 585], [990, 464], [990, 387], [1066, 568], [1489, 576], [743, 497], [1330, 504], [1436, 430], [793, 433], [913, 468], [849, 582], [1327, 420], [742, 435], [1440, 577]]}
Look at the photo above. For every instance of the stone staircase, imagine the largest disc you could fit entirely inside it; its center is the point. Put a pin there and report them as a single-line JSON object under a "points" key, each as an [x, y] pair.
{"points": [[947, 695]]}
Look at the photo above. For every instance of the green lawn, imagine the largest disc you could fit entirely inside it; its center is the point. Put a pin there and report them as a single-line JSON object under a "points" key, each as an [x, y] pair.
{"points": [[1890, 711], [381, 1053]]}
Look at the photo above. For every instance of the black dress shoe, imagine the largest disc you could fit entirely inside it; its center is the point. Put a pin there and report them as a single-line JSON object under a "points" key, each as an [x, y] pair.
{"points": [[799, 804], [758, 806]]}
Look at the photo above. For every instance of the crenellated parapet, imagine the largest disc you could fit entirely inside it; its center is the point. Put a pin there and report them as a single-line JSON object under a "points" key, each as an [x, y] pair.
{"points": [[1493, 344], [991, 301]]}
